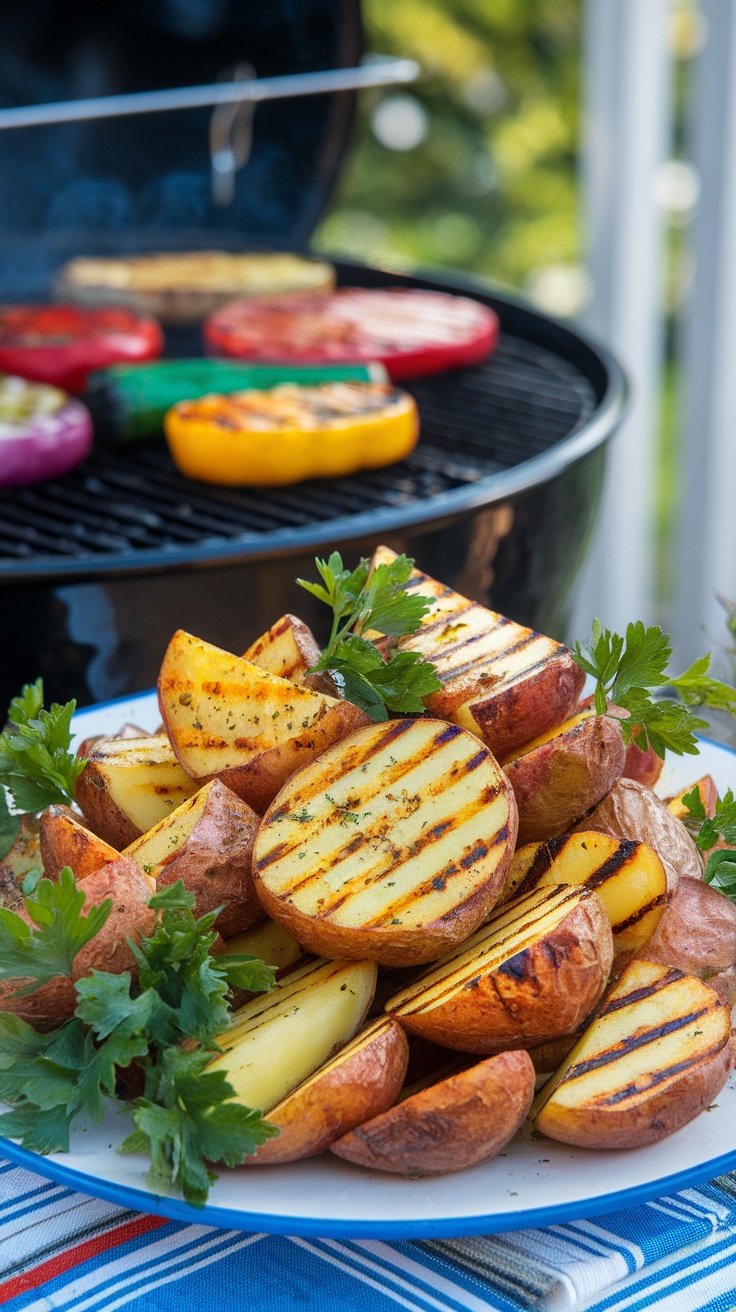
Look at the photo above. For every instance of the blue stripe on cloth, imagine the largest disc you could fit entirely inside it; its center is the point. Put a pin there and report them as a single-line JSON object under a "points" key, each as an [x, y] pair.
{"points": [[708, 1275]]}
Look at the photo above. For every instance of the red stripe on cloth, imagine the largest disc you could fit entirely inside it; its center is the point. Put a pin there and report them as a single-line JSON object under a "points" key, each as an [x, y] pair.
{"points": [[56, 1266]]}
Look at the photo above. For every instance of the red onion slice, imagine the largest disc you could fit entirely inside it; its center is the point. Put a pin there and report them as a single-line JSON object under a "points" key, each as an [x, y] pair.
{"points": [[43, 432]]}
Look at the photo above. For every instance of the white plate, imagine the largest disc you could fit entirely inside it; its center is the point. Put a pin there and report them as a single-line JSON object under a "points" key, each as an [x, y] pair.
{"points": [[534, 1182]]}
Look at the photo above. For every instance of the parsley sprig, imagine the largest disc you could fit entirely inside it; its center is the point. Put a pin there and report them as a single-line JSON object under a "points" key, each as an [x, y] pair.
{"points": [[36, 765], [364, 600], [167, 1023], [627, 669], [720, 868]]}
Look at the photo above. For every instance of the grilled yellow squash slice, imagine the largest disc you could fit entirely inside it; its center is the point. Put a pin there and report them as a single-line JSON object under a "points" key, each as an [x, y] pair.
{"points": [[392, 846], [279, 1038], [657, 1053], [628, 877], [532, 974], [500, 680], [228, 718], [129, 784]]}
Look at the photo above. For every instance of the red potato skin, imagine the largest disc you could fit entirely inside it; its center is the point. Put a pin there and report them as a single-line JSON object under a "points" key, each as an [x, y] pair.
{"points": [[66, 841], [129, 888], [679, 1102], [528, 708], [557, 782], [463, 1121], [644, 766], [697, 934], [367, 1083]]}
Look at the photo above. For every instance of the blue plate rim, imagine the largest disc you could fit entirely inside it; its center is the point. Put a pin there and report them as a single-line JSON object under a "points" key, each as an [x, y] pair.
{"points": [[436, 1228], [176, 1209]]}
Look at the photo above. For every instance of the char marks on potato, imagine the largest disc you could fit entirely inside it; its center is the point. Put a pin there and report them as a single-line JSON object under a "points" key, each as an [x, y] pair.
{"points": [[393, 845]]}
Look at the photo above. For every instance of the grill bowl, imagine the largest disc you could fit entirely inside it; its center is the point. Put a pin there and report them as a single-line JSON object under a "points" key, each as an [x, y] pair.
{"points": [[498, 500]]}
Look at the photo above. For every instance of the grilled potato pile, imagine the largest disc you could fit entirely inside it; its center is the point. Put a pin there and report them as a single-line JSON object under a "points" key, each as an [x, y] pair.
{"points": [[482, 883]]}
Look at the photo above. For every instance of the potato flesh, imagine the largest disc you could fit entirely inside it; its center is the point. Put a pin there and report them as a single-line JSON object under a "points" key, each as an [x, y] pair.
{"points": [[270, 942], [654, 1023], [510, 931], [628, 877], [278, 1040], [143, 777], [341, 844], [154, 849], [547, 737], [221, 711], [288, 649]]}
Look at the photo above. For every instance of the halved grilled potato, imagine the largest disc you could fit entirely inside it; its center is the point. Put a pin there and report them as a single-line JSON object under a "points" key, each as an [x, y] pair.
{"points": [[362, 1081], [458, 1122], [208, 843], [633, 811], [657, 1053], [500, 680], [64, 841], [288, 649], [628, 877], [530, 975], [227, 718], [563, 773], [279, 1038], [392, 846], [129, 784]]}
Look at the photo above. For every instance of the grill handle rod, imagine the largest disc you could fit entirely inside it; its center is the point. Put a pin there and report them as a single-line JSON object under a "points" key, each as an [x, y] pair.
{"points": [[373, 72]]}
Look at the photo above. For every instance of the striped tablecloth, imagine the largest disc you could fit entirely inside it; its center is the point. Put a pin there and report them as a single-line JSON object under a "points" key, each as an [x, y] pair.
{"points": [[62, 1250]]}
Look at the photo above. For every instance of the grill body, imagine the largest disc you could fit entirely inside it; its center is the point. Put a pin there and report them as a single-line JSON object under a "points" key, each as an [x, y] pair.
{"points": [[498, 500]]}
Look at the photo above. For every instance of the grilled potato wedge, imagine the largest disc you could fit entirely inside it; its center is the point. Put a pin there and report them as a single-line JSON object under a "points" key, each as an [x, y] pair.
{"points": [[657, 1053], [559, 776], [532, 974], [708, 796], [208, 843], [459, 1122], [289, 649], [271, 943], [22, 859], [64, 841], [500, 680], [362, 1081], [280, 1038], [227, 718], [697, 934], [128, 785], [392, 846], [628, 877], [632, 811]]}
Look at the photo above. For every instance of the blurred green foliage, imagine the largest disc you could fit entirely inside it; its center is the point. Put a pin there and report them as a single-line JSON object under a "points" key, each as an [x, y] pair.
{"points": [[491, 186]]}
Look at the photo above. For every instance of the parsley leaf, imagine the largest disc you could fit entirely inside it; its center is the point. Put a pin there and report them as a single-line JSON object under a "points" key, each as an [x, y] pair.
{"points": [[40, 954], [720, 869], [365, 600], [36, 765], [626, 669], [9, 826]]}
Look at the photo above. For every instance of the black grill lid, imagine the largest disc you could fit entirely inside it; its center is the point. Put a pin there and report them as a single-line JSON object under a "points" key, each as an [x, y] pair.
{"points": [[540, 402]]}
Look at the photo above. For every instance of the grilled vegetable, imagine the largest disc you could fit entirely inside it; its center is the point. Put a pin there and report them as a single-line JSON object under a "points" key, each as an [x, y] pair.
{"points": [[530, 975], [270, 943], [657, 1053], [697, 934], [708, 795], [65, 841], [180, 287], [290, 433], [60, 344], [129, 401], [228, 718], [628, 877], [276, 1042], [458, 1122], [500, 680], [289, 649], [410, 332], [129, 784], [362, 1081], [632, 811], [392, 846], [559, 776], [43, 432], [207, 843]]}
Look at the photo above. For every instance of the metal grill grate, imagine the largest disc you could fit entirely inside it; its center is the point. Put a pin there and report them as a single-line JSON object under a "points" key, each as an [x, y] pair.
{"points": [[123, 504]]}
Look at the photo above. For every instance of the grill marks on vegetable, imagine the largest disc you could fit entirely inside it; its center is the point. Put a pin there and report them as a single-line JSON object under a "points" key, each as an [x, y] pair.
{"points": [[401, 824]]}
